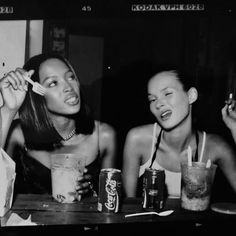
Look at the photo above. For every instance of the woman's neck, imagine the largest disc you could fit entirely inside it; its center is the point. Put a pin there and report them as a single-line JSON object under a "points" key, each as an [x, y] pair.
{"points": [[63, 125], [180, 137]]}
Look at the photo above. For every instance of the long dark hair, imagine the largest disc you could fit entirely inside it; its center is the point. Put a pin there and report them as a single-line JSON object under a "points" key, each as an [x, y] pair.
{"points": [[37, 126]]}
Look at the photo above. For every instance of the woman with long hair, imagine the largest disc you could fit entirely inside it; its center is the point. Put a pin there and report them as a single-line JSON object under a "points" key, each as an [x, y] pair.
{"points": [[57, 122]]}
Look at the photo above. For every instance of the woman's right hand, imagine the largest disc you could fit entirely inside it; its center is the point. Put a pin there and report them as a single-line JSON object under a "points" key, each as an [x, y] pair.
{"points": [[13, 88]]}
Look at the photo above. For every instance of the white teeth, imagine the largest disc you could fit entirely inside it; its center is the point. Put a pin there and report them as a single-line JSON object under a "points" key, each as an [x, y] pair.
{"points": [[165, 114], [72, 99]]}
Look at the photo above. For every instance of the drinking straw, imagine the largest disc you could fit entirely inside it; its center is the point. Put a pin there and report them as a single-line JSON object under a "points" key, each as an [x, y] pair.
{"points": [[189, 156], [154, 138], [208, 164], [203, 142]]}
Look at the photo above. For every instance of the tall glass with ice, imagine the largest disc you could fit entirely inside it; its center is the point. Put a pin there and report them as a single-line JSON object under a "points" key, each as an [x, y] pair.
{"points": [[66, 170], [196, 185]]}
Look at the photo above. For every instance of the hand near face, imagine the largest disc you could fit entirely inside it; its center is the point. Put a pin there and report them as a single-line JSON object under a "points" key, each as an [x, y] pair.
{"points": [[229, 117], [13, 88]]}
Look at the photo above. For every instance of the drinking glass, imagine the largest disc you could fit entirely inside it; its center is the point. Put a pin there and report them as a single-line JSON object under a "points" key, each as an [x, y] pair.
{"points": [[66, 170], [196, 185]]}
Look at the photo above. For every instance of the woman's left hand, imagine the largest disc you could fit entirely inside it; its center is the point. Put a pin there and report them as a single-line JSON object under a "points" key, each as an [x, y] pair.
{"points": [[229, 117], [84, 184]]}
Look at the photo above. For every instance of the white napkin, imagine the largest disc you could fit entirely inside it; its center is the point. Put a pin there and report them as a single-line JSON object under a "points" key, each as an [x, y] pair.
{"points": [[7, 180], [16, 220], [1, 100]]}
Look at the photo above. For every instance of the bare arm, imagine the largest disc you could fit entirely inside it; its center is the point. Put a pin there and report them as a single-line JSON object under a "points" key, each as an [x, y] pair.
{"points": [[13, 89], [131, 164], [108, 145], [226, 159], [6, 120], [5, 123], [229, 119]]}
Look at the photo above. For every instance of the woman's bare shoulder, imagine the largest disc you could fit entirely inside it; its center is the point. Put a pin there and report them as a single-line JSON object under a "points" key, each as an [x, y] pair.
{"points": [[143, 132], [105, 129], [216, 140], [218, 144]]}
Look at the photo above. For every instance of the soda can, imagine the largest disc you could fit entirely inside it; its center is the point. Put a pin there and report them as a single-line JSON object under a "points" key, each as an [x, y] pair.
{"points": [[153, 189], [109, 192]]}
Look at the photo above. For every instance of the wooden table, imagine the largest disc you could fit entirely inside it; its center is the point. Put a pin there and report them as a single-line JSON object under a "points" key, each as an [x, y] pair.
{"points": [[49, 214]]}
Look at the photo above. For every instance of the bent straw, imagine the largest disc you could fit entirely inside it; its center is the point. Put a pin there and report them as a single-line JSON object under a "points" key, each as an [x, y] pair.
{"points": [[154, 138], [189, 156]]}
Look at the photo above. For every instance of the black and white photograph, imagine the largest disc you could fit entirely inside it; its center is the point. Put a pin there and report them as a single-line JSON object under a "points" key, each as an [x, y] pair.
{"points": [[117, 117]]}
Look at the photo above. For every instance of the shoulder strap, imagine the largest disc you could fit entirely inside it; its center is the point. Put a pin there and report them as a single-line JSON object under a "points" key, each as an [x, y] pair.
{"points": [[154, 133], [98, 140], [197, 143], [156, 147]]}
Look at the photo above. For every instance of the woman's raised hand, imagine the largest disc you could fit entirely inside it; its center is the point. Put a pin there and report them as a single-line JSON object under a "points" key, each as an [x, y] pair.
{"points": [[229, 117], [13, 88]]}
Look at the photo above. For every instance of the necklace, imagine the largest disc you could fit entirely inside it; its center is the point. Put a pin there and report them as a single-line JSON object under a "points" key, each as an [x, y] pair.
{"points": [[70, 135]]}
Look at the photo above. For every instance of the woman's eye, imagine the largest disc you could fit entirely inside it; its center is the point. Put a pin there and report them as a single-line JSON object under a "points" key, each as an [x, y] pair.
{"points": [[52, 84], [152, 100], [169, 93], [71, 77]]}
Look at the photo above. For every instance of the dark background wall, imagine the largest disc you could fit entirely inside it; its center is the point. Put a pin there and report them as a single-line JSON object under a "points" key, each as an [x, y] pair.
{"points": [[132, 47], [124, 50]]}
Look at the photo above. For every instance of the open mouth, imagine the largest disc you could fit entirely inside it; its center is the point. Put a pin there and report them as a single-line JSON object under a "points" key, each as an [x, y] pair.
{"points": [[166, 115], [72, 100]]}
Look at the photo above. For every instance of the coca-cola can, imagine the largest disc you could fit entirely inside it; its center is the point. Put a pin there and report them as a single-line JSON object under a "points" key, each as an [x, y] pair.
{"points": [[109, 192], [153, 189]]}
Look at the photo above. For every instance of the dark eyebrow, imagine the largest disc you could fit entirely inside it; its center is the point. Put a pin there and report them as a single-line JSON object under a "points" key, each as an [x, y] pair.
{"points": [[149, 94], [165, 88], [54, 76], [48, 77], [153, 95]]}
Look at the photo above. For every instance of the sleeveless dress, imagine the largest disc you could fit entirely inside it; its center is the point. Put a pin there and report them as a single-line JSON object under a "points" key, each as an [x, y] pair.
{"points": [[172, 179], [34, 177]]}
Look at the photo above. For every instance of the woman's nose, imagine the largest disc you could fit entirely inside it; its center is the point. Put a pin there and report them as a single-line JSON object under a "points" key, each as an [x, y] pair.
{"points": [[159, 103], [67, 87]]}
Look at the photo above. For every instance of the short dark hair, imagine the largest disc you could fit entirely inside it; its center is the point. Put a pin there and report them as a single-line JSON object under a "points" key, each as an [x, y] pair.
{"points": [[37, 126], [186, 78]]}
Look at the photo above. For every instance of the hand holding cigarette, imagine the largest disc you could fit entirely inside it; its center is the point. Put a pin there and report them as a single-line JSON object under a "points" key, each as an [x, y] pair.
{"points": [[230, 103]]}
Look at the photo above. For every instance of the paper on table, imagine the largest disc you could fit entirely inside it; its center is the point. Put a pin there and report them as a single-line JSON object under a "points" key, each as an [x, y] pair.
{"points": [[7, 180], [1, 100], [16, 220]]}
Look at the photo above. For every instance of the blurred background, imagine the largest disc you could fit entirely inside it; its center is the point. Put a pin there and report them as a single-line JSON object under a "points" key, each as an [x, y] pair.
{"points": [[115, 50]]}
